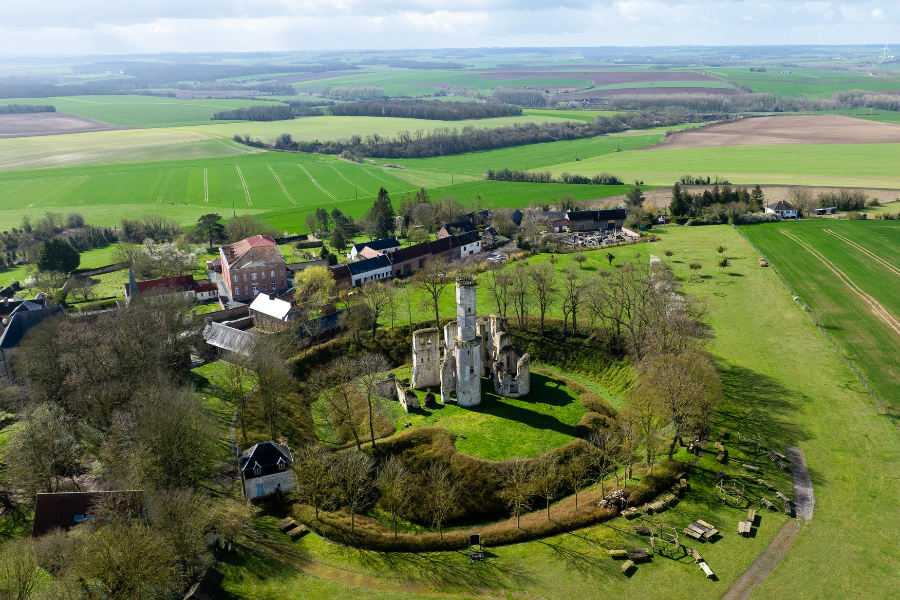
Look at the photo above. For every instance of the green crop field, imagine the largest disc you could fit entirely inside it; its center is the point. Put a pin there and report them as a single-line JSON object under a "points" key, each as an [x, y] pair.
{"points": [[859, 300], [805, 81], [334, 128], [142, 111], [666, 84], [862, 165], [576, 115]]}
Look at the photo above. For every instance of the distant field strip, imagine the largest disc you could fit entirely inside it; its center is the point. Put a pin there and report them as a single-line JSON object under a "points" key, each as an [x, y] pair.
{"points": [[244, 183], [283, 189], [316, 183], [206, 185], [375, 176], [344, 177], [882, 313], [865, 251]]}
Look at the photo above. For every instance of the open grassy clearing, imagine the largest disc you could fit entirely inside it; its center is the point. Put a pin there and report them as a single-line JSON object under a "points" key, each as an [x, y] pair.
{"points": [[845, 165], [840, 292], [141, 111], [113, 147], [774, 385], [333, 128]]}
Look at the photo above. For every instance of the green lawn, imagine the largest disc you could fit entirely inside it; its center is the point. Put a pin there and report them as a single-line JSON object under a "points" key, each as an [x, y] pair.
{"points": [[501, 428], [862, 165], [781, 379], [142, 111]]}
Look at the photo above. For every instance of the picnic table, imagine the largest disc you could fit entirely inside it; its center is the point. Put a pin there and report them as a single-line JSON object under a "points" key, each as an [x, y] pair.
{"points": [[782, 496], [722, 433], [617, 553], [286, 524], [743, 527], [765, 484], [626, 566], [476, 556], [719, 476], [643, 530], [767, 503], [719, 445], [706, 569], [753, 468], [747, 477], [298, 530], [631, 512], [695, 555], [639, 553], [775, 456], [658, 506], [787, 507], [751, 516], [722, 457], [700, 530], [669, 498]]}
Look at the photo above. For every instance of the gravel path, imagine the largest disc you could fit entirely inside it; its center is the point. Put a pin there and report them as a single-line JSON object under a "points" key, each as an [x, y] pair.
{"points": [[804, 501], [803, 506]]}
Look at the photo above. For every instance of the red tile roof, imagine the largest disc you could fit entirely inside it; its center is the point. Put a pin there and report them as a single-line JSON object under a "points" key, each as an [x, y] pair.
{"points": [[183, 283]]}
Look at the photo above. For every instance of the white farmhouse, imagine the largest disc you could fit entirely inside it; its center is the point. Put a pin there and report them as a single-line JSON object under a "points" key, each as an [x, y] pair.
{"points": [[782, 209], [266, 469]]}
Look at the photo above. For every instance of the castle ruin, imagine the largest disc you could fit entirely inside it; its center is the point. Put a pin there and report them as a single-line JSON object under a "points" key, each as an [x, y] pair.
{"points": [[473, 348]]}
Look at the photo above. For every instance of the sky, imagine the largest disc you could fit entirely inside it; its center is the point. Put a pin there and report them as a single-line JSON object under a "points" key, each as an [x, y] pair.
{"points": [[60, 27]]}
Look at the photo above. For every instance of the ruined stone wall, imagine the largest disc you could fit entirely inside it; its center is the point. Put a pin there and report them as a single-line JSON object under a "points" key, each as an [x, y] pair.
{"points": [[468, 372], [512, 380], [426, 349]]}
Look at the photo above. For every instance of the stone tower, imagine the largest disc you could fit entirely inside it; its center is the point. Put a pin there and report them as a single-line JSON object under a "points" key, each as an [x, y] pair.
{"points": [[426, 354], [462, 369]]}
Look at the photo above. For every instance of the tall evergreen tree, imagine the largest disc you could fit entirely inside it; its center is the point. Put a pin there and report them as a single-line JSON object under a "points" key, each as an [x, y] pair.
{"points": [[56, 254], [380, 220], [211, 226], [757, 199]]}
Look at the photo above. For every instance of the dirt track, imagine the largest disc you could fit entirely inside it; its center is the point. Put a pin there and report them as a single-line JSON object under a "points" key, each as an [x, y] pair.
{"points": [[54, 123], [783, 130]]}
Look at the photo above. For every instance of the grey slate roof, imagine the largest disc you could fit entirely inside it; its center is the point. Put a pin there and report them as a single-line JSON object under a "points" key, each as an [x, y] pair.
{"points": [[266, 456], [368, 265], [228, 338], [24, 319], [382, 244]]}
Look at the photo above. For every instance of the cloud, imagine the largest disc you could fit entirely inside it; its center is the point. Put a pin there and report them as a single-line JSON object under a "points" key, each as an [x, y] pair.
{"points": [[114, 26]]}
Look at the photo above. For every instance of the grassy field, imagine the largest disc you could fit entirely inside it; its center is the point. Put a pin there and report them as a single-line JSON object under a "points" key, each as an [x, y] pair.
{"points": [[334, 128], [849, 317], [862, 165], [113, 147], [142, 111], [774, 384], [805, 81]]}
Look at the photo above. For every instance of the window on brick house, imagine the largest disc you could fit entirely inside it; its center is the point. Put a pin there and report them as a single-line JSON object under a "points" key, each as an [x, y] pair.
{"points": [[253, 276], [235, 278], [273, 274]]}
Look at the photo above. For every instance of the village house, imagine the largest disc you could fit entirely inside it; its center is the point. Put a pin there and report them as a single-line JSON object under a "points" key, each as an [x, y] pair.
{"points": [[410, 259], [782, 209], [341, 276], [594, 220], [294, 268], [374, 248], [200, 290], [253, 266], [469, 243], [266, 469], [370, 269], [457, 228], [227, 339], [445, 249], [270, 312]]}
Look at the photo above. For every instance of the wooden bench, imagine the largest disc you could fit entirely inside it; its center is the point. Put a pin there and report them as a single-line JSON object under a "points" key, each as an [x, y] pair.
{"points": [[751, 468], [286, 524], [617, 553], [669, 498], [782, 496], [710, 530], [767, 503], [719, 446], [719, 476], [722, 457], [298, 530], [706, 569], [638, 553], [626, 566], [722, 434], [692, 532], [642, 530], [751, 516], [788, 510], [658, 506], [765, 484], [476, 556], [743, 527], [631, 512], [695, 555], [747, 477]]}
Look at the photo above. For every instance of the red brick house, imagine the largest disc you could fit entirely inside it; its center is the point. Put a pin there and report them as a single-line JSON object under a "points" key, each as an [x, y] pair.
{"points": [[253, 266]]}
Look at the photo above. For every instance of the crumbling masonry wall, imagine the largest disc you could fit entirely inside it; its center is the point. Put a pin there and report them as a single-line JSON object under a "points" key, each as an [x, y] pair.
{"points": [[426, 349]]}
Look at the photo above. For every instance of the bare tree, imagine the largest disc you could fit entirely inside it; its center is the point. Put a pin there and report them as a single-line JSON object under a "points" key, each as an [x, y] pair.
{"points": [[392, 303], [334, 386], [394, 485], [629, 434], [577, 473], [376, 297], [574, 291], [546, 478], [497, 283], [237, 376], [651, 420], [603, 457], [515, 485], [520, 290], [354, 478], [407, 300], [368, 369], [543, 284], [314, 466], [433, 280], [273, 383], [443, 495], [82, 286], [19, 571]]}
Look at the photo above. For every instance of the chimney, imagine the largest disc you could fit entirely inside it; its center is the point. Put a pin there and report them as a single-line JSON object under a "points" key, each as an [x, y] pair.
{"points": [[272, 296], [6, 302]]}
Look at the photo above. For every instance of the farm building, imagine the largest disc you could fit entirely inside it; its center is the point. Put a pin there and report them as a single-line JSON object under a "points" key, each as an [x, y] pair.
{"points": [[253, 266], [469, 243], [457, 228], [374, 248], [270, 313], [227, 339], [445, 248], [593, 220], [370, 269], [410, 259], [782, 209], [341, 275], [266, 469], [201, 289], [826, 211]]}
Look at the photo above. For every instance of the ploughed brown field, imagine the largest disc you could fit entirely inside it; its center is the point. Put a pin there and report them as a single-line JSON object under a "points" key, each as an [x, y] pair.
{"points": [[54, 123], [783, 130]]}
